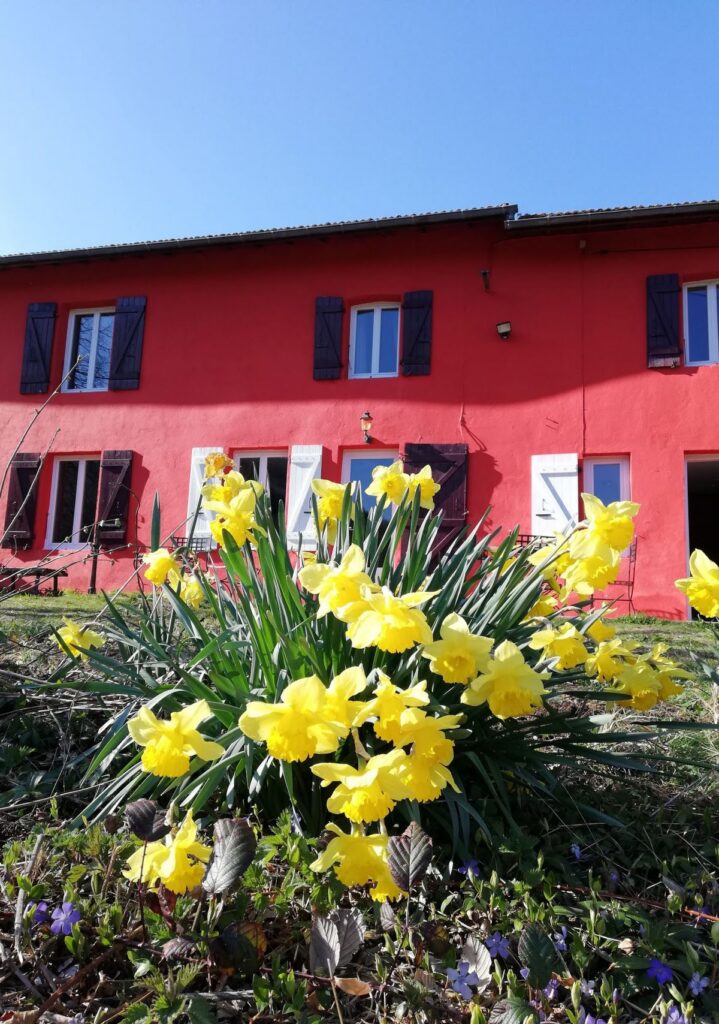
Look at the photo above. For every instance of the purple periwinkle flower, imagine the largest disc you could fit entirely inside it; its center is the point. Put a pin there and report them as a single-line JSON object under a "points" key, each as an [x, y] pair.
{"points": [[675, 1015], [659, 971], [551, 989], [497, 945], [63, 918], [40, 914], [470, 867], [462, 978], [697, 983], [587, 987], [524, 973], [576, 851], [560, 940], [589, 1018], [614, 876]]}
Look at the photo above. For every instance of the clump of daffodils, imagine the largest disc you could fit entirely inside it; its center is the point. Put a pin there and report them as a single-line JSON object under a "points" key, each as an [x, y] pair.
{"points": [[178, 862], [78, 639]]}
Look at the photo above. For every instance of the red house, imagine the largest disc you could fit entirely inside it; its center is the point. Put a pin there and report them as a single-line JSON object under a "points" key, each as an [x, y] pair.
{"points": [[526, 357]]}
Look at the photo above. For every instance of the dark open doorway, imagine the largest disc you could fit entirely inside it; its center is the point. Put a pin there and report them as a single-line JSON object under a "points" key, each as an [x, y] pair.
{"points": [[703, 505]]}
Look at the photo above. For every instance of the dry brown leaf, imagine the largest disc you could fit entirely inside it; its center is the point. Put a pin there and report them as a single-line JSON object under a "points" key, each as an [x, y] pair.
{"points": [[353, 986]]}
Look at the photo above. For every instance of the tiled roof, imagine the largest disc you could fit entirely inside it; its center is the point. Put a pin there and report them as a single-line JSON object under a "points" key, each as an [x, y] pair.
{"points": [[608, 214]]}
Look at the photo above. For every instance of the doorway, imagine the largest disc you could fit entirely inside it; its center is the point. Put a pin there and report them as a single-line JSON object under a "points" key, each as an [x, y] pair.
{"points": [[703, 504]]}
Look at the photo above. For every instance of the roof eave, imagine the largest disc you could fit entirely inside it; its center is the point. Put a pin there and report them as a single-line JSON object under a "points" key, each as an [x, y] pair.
{"points": [[681, 213]]}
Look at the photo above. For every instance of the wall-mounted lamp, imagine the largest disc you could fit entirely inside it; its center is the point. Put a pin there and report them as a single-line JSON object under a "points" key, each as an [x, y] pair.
{"points": [[366, 426], [485, 279], [504, 329]]}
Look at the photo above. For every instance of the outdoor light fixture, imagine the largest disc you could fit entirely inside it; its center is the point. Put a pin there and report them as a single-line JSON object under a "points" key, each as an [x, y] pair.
{"points": [[504, 329], [366, 425], [485, 279]]}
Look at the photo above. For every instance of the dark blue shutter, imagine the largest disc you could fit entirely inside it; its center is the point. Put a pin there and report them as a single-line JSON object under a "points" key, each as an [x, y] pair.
{"points": [[114, 495], [416, 333], [449, 469], [329, 310], [19, 530], [37, 353], [663, 335], [127, 336]]}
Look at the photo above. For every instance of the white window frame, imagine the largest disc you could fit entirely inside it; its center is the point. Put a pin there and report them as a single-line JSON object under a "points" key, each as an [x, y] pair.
{"points": [[73, 545], [263, 454], [350, 455], [713, 322], [376, 326], [604, 460], [95, 311]]}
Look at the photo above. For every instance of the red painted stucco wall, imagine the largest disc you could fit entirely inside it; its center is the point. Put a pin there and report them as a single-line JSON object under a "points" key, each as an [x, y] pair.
{"points": [[228, 352]]}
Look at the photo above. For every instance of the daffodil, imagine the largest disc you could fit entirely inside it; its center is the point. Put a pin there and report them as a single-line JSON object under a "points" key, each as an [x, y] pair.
{"points": [[424, 482], [425, 779], [610, 658], [593, 572], [294, 728], [387, 704], [339, 588], [367, 793], [170, 745], [330, 498], [78, 639], [339, 706], [558, 554], [390, 480], [359, 859], [460, 655], [609, 525], [230, 485], [216, 463], [160, 564], [425, 773], [191, 591], [235, 517], [178, 862], [509, 686], [543, 607], [391, 623], [565, 644], [640, 682], [702, 587], [601, 631]]}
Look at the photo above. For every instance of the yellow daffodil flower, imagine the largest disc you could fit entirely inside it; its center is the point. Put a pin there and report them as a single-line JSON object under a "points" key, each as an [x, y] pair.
{"points": [[387, 704], [236, 517], [330, 497], [702, 587], [160, 564], [609, 659], [425, 779], [339, 706], [367, 793], [231, 484], [565, 644], [170, 745], [178, 862], [460, 655], [641, 683], [216, 463], [339, 588], [359, 859], [390, 480], [510, 686], [426, 485], [558, 552], [391, 623], [295, 728], [191, 591], [543, 607], [78, 639], [601, 631], [425, 773], [609, 525], [594, 572]]}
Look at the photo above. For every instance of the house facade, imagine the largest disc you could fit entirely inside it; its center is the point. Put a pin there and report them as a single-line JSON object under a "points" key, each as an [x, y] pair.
{"points": [[526, 358]]}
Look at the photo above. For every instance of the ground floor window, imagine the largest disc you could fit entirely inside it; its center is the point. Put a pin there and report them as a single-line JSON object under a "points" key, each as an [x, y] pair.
{"points": [[607, 478], [73, 502], [270, 469], [702, 473], [358, 465]]}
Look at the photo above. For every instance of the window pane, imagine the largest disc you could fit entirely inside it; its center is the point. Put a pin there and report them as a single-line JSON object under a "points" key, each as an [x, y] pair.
{"points": [[81, 344], [89, 498], [389, 330], [607, 481], [361, 470], [276, 480], [364, 323], [249, 466], [65, 502], [104, 347], [698, 325]]}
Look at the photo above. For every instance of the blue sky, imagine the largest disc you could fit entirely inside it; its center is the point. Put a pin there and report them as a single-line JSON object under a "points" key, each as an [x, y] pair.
{"points": [[146, 119]]}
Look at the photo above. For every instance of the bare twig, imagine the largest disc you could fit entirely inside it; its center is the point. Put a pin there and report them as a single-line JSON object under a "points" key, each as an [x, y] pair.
{"points": [[20, 905]]}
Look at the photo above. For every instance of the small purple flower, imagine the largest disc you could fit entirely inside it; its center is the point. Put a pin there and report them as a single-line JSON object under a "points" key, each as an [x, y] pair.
{"points": [[587, 987], [659, 971], [40, 915], [675, 1015], [462, 979], [576, 851], [524, 973], [614, 876], [551, 989], [697, 983], [470, 867], [63, 918], [589, 1018], [497, 945], [560, 940]]}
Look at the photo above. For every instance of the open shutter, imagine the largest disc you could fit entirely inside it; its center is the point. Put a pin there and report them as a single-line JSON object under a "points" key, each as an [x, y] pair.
{"points": [[197, 481], [113, 504], [449, 469], [329, 310], [555, 493], [305, 466], [663, 337], [416, 333], [127, 335], [39, 331], [19, 530]]}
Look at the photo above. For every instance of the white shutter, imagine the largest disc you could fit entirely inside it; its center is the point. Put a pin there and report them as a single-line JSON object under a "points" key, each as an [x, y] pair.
{"points": [[305, 466], [197, 479], [555, 493]]}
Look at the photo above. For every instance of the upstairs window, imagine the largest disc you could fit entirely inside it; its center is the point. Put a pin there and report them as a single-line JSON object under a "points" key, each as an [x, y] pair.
{"points": [[701, 323], [89, 340], [73, 502], [269, 469], [607, 478], [374, 340]]}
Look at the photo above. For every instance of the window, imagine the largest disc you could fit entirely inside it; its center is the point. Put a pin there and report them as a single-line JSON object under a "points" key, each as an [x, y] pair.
{"points": [[359, 465], [269, 469], [607, 478], [89, 339], [701, 323], [374, 340], [73, 502]]}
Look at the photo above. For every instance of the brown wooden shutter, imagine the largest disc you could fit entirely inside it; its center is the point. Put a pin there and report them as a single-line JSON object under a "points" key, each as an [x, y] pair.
{"points": [[114, 495], [37, 353], [663, 336], [416, 333], [329, 311], [127, 336], [19, 530], [449, 470]]}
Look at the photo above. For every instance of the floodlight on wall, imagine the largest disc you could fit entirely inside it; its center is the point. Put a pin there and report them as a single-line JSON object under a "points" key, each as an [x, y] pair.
{"points": [[504, 329], [366, 426]]}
